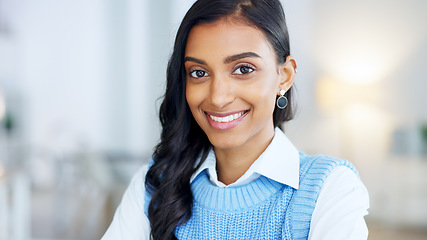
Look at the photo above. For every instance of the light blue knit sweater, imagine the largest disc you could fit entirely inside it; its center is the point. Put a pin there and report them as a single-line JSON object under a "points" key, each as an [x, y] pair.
{"points": [[262, 209]]}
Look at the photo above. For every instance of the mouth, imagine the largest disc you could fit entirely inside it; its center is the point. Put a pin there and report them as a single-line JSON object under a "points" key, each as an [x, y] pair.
{"points": [[224, 121]]}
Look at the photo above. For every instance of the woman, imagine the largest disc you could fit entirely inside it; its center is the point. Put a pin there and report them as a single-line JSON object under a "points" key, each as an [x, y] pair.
{"points": [[223, 168]]}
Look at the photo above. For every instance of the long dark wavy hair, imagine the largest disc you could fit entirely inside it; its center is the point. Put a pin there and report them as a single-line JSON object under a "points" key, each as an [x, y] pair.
{"points": [[184, 146]]}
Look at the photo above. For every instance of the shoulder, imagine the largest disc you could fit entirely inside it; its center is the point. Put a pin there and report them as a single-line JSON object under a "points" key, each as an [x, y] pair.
{"points": [[322, 172], [322, 165], [342, 203], [314, 172], [139, 177], [141, 172], [135, 192], [317, 170], [324, 181]]}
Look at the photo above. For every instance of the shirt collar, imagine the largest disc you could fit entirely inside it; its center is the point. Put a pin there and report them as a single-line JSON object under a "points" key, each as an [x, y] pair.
{"points": [[280, 162]]}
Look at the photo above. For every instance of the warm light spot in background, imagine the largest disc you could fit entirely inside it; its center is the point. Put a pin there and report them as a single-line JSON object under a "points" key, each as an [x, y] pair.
{"points": [[366, 131], [360, 63], [361, 68], [364, 115], [333, 95], [356, 109], [364, 42]]}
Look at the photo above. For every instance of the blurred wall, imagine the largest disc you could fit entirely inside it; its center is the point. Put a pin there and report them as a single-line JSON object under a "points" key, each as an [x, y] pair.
{"points": [[85, 72]]}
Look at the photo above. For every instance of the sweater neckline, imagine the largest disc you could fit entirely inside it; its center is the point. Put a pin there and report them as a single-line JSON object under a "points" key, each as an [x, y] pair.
{"points": [[237, 198]]}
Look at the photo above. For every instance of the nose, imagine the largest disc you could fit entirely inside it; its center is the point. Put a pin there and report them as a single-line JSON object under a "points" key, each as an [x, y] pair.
{"points": [[221, 92]]}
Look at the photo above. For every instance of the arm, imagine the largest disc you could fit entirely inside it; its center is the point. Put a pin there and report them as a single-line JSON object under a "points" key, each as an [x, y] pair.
{"points": [[340, 209]]}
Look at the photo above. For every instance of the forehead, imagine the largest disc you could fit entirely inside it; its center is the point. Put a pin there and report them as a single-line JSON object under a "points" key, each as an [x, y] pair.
{"points": [[226, 37]]}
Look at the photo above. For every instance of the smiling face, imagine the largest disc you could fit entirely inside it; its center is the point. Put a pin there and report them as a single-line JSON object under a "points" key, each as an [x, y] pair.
{"points": [[232, 79]]}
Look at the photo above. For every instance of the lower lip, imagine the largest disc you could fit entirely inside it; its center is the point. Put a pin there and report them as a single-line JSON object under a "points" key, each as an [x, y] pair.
{"points": [[225, 125]]}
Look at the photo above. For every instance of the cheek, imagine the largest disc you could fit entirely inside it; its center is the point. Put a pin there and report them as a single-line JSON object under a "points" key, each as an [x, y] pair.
{"points": [[263, 94], [189, 95], [266, 104], [194, 96]]}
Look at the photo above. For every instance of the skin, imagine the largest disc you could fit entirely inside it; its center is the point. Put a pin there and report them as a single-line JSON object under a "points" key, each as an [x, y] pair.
{"points": [[232, 68]]}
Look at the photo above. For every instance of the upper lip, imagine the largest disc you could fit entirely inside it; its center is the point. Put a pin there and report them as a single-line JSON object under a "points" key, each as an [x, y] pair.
{"points": [[215, 114]]}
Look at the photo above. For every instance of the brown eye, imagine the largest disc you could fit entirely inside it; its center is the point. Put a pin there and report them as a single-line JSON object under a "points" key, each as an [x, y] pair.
{"points": [[198, 74], [243, 70]]}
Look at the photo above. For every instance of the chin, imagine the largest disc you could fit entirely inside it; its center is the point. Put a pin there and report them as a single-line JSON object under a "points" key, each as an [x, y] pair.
{"points": [[225, 141]]}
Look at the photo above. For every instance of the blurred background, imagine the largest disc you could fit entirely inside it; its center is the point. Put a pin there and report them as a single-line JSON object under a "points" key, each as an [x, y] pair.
{"points": [[80, 83]]}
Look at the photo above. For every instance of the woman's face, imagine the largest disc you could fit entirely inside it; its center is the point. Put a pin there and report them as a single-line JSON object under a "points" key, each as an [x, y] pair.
{"points": [[232, 79]]}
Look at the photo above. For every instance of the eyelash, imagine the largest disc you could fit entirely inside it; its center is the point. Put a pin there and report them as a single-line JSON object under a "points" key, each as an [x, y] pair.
{"points": [[197, 70], [252, 69], [206, 74]]}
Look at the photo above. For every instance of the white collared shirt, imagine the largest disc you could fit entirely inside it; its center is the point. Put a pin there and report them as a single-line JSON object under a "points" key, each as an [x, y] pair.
{"points": [[339, 213]]}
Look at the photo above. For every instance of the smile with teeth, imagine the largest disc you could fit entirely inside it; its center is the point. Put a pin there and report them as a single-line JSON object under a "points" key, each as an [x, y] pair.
{"points": [[228, 118]]}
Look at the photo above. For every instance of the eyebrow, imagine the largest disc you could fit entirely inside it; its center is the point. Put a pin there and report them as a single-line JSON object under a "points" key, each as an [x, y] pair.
{"points": [[191, 59], [228, 59], [240, 56]]}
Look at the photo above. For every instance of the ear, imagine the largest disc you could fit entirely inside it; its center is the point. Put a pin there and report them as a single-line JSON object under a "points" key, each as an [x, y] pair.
{"points": [[287, 72]]}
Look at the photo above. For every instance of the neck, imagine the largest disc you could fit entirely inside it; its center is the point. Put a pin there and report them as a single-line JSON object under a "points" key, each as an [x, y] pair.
{"points": [[233, 163]]}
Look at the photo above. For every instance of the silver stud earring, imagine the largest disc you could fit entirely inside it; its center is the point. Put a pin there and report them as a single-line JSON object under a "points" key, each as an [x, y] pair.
{"points": [[282, 101]]}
